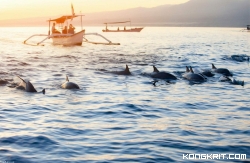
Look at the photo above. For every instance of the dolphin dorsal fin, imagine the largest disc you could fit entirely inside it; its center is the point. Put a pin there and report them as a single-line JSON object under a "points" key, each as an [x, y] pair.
{"points": [[67, 79], [21, 79], [213, 67], [43, 91], [127, 69], [155, 69], [187, 69], [191, 69]]}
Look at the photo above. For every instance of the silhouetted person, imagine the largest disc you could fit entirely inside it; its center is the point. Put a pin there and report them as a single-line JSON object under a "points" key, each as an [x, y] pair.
{"points": [[71, 29], [65, 30], [54, 30]]}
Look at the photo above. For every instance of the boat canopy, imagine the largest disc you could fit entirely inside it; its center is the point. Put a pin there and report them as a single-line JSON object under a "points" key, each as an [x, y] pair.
{"points": [[116, 22], [62, 19]]}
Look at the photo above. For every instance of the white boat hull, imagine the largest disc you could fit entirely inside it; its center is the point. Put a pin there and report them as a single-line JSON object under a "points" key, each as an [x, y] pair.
{"points": [[68, 40]]}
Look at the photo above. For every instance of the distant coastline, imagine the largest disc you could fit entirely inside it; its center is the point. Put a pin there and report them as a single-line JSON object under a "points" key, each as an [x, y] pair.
{"points": [[140, 25], [194, 13]]}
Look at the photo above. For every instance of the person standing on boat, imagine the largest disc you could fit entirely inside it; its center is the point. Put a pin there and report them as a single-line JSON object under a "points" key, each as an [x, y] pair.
{"points": [[54, 30], [71, 29]]}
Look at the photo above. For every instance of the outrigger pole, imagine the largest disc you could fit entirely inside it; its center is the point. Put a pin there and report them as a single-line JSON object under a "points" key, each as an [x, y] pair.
{"points": [[85, 40], [130, 23], [97, 34]]}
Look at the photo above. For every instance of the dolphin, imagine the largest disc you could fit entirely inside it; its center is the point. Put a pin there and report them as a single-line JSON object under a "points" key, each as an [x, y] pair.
{"points": [[27, 86], [191, 76], [162, 75], [69, 85], [232, 81], [222, 71], [240, 58], [3, 82], [187, 70], [124, 72], [205, 73]]}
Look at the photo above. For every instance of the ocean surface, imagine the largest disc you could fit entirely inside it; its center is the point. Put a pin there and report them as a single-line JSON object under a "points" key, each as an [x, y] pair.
{"points": [[116, 118]]}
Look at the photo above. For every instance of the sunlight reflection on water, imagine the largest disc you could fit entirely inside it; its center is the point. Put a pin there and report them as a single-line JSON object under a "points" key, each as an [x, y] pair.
{"points": [[123, 118]]}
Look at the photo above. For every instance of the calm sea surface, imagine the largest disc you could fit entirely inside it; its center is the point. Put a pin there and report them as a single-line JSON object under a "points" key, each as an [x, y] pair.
{"points": [[115, 118]]}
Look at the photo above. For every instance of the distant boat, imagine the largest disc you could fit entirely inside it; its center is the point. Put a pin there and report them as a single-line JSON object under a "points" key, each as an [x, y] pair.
{"points": [[246, 29], [65, 37], [122, 29]]}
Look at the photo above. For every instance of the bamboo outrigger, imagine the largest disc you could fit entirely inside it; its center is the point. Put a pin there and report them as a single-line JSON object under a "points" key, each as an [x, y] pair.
{"points": [[67, 38]]}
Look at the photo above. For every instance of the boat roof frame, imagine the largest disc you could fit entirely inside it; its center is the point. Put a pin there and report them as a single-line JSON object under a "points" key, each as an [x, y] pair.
{"points": [[63, 18], [116, 22]]}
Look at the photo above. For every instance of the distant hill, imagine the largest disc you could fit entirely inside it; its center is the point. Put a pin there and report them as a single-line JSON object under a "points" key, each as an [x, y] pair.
{"points": [[214, 13]]}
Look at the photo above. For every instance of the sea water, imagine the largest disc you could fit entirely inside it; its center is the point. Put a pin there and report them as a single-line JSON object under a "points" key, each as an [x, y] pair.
{"points": [[115, 118]]}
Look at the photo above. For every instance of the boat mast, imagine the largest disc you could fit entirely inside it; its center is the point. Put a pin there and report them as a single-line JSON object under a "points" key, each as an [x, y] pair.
{"points": [[67, 25], [130, 23], [81, 18]]}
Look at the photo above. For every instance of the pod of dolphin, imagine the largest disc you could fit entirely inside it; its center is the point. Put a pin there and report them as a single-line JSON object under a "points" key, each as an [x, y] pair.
{"points": [[189, 74]]}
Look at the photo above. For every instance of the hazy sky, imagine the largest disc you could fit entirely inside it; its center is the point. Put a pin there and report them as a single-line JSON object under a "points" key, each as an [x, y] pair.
{"points": [[15, 9]]}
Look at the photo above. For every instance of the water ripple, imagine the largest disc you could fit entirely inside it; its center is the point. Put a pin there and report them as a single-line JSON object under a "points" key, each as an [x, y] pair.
{"points": [[116, 118]]}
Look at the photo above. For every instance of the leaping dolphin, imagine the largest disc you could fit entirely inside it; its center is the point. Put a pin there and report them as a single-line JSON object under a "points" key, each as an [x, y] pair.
{"points": [[27, 86], [162, 75], [222, 71], [69, 85]]}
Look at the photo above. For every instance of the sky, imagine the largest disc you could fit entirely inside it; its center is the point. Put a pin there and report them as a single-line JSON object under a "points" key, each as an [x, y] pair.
{"points": [[18, 9]]}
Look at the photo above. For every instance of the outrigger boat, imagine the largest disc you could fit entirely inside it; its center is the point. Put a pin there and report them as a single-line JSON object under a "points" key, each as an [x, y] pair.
{"points": [[123, 29], [66, 38]]}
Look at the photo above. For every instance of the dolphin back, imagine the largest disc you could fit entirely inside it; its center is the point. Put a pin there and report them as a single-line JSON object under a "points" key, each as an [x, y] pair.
{"points": [[194, 77], [29, 87], [70, 85], [124, 72], [163, 75]]}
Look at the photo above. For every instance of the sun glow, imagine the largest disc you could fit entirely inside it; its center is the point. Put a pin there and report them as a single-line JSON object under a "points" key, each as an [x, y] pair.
{"points": [[16, 9]]}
